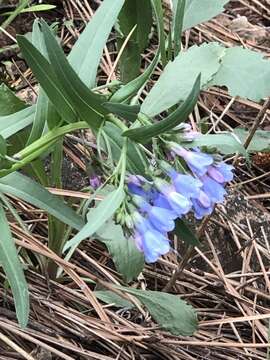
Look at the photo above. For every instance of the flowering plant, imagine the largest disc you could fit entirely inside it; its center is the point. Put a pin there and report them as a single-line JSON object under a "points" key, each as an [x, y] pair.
{"points": [[152, 173]]}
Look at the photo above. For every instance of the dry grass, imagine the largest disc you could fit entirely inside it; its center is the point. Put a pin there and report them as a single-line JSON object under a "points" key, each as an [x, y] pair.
{"points": [[226, 280]]}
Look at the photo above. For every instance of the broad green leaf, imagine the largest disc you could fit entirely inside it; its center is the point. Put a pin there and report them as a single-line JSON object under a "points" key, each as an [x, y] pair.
{"points": [[128, 260], [87, 51], [47, 79], [176, 82], [9, 102], [198, 11], [86, 103], [97, 217], [11, 124], [245, 73], [139, 14], [259, 142], [128, 112], [14, 272], [130, 89], [183, 231], [24, 188], [136, 160], [171, 312], [110, 297], [225, 143], [144, 133]]}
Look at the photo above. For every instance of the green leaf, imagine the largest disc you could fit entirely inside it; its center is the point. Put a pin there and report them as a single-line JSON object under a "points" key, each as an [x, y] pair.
{"points": [[259, 142], [157, 6], [144, 133], [13, 269], [136, 160], [87, 51], [9, 102], [97, 217], [139, 14], [86, 103], [176, 82], [128, 112], [24, 188], [110, 297], [128, 260], [197, 11], [130, 89], [225, 143], [245, 73], [48, 80], [3, 146], [178, 24], [183, 231], [172, 313], [36, 8], [11, 124], [45, 111]]}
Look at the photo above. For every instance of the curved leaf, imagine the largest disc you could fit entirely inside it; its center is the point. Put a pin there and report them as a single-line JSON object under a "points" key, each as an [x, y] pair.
{"points": [[24, 188], [144, 133]]}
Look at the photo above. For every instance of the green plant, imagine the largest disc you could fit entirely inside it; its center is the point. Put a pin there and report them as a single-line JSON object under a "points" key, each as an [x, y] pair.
{"points": [[123, 127]]}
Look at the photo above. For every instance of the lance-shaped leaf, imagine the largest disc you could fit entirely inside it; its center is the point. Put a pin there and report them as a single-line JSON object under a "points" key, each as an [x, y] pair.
{"points": [[11, 124], [24, 188], [97, 217], [45, 110], [130, 89], [87, 51], [128, 112], [86, 103], [13, 269], [47, 79], [144, 133]]}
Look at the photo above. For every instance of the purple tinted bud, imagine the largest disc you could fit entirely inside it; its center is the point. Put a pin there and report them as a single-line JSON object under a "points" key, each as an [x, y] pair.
{"points": [[215, 174], [199, 210], [186, 184], [224, 170], [95, 181], [214, 190]]}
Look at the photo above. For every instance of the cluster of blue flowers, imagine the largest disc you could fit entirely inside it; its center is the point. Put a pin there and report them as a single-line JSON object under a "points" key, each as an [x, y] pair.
{"points": [[159, 202]]}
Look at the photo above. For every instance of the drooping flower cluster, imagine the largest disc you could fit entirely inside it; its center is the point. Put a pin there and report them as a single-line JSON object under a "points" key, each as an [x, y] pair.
{"points": [[159, 202]]}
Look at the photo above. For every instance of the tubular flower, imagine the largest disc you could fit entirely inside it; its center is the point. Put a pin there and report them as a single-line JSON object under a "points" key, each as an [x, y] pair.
{"points": [[159, 203]]}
